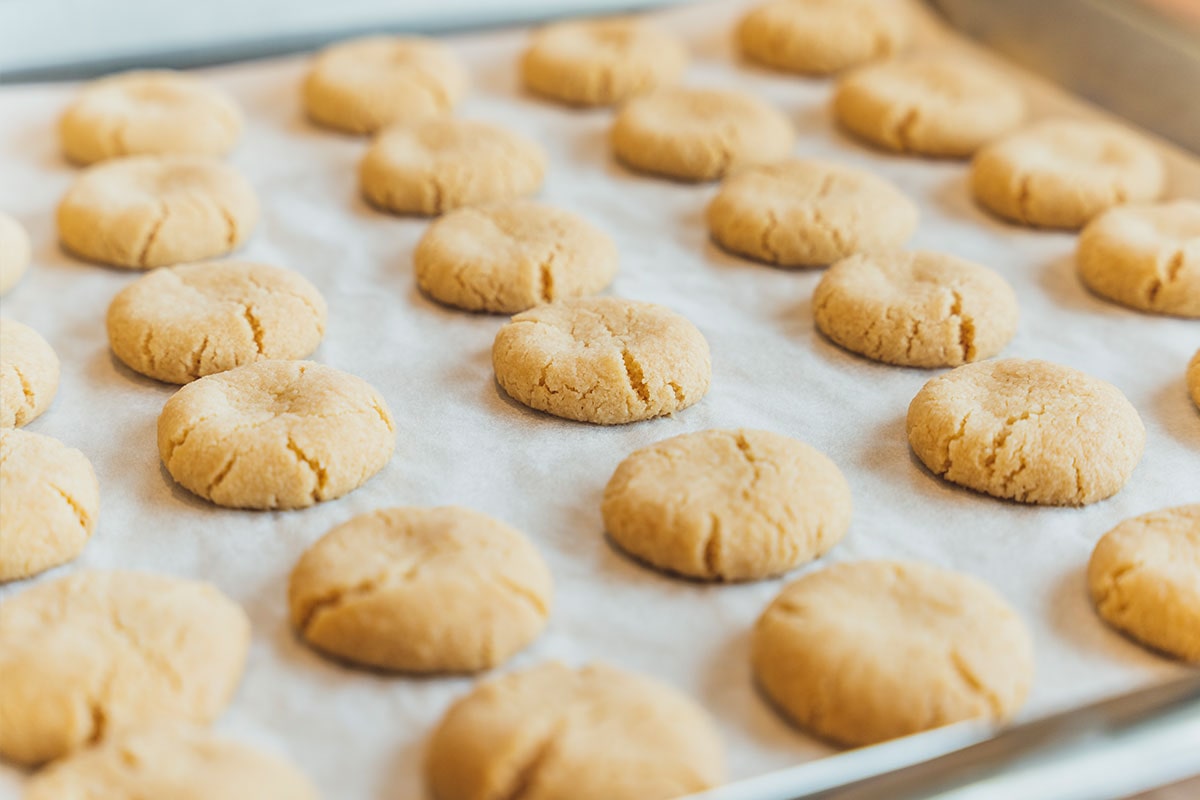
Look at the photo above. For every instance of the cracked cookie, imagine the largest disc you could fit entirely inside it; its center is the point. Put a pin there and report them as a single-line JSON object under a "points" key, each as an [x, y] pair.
{"points": [[915, 309], [510, 257], [439, 165], [1144, 578], [149, 112], [602, 359], [275, 434], [698, 134], [727, 505], [557, 733], [802, 213], [51, 500], [1061, 173], [363, 85], [28, 374], [601, 62], [1193, 378], [421, 590], [182, 323], [818, 37], [1145, 257], [934, 105], [149, 211], [863, 652], [101, 652], [15, 252], [1027, 430]]}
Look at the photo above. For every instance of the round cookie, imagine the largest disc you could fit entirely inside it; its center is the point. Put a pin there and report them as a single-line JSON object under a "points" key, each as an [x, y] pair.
{"points": [[149, 211], [275, 434], [1193, 378], [601, 62], [363, 85], [698, 134], [421, 590], [727, 504], [28, 374], [98, 652], [148, 112], [818, 37], [185, 322], [1061, 173], [1144, 577], [50, 507], [170, 762], [557, 733], [510, 257], [1145, 256], [934, 105], [438, 165], [801, 213], [15, 252], [1027, 430], [863, 652], [602, 359], [915, 309]]}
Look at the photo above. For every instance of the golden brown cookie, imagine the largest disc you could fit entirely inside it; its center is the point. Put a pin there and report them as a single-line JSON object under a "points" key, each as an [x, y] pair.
{"points": [[818, 37], [15, 252], [28, 374]]}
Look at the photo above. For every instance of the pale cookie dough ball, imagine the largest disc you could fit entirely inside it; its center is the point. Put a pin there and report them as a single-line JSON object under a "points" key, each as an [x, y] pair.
{"points": [[800, 213], [1193, 378], [863, 652], [818, 37], [915, 309], [97, 653], [438, 165], [1144, 577], [727, 505], [170, 762], [602, 359], [28, 374], [148, 211], [556, 733], [363, 85], [182, 323], [698, 134], [601, 62], [510, 257], [275, 434], [1062, 173], [934, 105], [1027, 430], [1145, 256], [15, 252], [149, 112], [421, 590]]}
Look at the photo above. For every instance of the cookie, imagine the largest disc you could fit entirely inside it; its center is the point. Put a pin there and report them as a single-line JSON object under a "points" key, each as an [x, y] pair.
{"points": [[182, 323], [1146, 257], [509, 257], [1144, 577], [915, 309], [15, 252], [170, 762], [275, 434], [698, 134], [1193, 378], [438, 165], [1061, 173], [802, 213], [51, 500], [863, 652], [601, 62], [1027, 430], [557, 733], [421, 590], [28, 374], [149, 211], [727, 505], [818, 37], [363, 85], [602, 359], [148, 112], [97, 653], [932, 104]]}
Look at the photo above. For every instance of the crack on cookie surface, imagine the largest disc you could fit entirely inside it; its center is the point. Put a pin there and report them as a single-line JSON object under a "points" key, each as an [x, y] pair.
{"points": [[320, 476], [143, 254]]}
